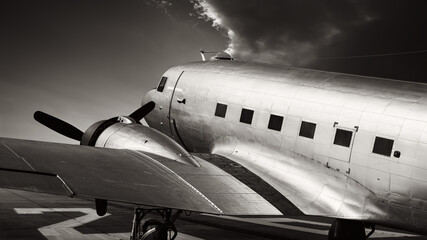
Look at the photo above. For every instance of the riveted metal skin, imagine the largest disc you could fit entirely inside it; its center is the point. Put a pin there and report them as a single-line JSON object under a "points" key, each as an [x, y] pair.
{"points": [[318, 176]]}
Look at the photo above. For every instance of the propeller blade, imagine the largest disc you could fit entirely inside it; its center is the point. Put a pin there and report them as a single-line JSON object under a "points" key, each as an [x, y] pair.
{"points": [[141, 112], [58, 125]]}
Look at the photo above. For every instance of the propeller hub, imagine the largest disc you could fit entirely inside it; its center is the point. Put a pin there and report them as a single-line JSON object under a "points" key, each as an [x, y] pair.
{"points": [[94, 131], [126, 119]]}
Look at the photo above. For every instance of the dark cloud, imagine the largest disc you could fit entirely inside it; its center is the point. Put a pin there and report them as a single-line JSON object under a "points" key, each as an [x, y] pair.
{"points": [[310, 32]]}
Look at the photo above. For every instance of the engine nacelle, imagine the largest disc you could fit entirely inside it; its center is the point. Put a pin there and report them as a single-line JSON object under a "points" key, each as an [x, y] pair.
{"points": [[125, 135]]}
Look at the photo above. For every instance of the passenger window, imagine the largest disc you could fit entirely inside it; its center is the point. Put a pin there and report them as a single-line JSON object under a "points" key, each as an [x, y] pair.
{"points": [[162, 84], [307, 129], [275, 122], [383, 146], [221, 110], [246, 116], [343, 137]]}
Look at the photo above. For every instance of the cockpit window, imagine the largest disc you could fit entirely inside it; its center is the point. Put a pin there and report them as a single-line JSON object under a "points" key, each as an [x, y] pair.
{"points": [[162, 84]]}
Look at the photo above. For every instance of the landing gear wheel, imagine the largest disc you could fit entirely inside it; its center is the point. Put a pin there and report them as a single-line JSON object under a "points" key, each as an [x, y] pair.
{"points": [[151, 230], [154, 229], [343, 229], [149, 224]]}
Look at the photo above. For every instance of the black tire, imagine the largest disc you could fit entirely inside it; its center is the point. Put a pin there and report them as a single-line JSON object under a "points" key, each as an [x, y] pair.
{"points": [[150, 223], [159, 234]]}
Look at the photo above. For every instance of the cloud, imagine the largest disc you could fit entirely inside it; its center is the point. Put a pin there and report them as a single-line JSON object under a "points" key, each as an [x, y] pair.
{"points": [[299, 32], [165, 5]]}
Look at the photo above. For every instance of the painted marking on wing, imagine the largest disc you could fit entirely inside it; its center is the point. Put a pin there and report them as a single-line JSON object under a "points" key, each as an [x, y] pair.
{"points": [[281, 223], [23, 159]]}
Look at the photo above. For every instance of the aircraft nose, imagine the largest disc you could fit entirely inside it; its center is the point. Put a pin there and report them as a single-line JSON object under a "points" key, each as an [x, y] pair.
{"points": [[148, 97]]}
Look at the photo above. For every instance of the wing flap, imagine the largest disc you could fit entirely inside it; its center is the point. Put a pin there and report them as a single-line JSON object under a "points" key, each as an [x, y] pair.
{"points": [[34, 182]]}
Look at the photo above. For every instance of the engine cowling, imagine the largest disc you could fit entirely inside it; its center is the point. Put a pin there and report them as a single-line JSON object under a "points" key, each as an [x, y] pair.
{"points": [[125, 134], [92, 133]]}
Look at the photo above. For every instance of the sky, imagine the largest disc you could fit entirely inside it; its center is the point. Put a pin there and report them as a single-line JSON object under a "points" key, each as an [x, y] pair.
{"points": [[88, 60]]}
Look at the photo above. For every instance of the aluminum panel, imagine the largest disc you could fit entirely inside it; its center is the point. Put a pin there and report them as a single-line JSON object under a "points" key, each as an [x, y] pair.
{"points": [[116, 175]]}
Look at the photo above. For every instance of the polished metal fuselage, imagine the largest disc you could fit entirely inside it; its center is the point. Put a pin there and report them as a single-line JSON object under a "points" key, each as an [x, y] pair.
{"points": [[318, 176]]}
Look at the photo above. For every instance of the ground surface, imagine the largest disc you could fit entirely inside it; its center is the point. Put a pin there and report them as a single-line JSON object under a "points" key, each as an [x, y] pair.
{"points": [[25, 215]]}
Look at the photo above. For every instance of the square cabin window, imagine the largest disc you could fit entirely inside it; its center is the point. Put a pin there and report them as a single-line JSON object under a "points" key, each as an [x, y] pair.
{"points": [[162, 84], [343, 137], [246, 116], [307, 129], [221, 110], [275, 122], [383, 146]]}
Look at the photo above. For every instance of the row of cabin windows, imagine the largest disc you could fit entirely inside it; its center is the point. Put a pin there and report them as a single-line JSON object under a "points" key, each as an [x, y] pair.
{"points": [[382, 146], [275, 123]]}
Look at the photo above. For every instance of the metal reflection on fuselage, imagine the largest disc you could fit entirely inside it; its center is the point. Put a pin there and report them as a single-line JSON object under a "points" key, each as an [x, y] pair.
{"points": [[318, 176]]}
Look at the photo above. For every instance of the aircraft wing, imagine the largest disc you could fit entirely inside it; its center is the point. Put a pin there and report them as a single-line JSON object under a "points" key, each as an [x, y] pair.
{"points": [[125, 176]]}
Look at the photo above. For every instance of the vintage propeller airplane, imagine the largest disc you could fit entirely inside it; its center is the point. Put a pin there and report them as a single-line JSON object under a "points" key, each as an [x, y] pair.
{"points": [[347, 147]]}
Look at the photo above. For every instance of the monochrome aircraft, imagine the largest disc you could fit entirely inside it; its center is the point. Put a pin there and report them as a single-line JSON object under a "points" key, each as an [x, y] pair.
{"points": [[347, 147]]}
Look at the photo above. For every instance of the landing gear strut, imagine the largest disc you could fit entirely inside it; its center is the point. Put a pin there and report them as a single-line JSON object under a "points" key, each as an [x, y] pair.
{"points": [[349, 229], [152, 228]]}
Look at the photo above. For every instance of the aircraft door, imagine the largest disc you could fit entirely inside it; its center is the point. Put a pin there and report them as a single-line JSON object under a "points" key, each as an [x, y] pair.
{"points": [[342, 146]]}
